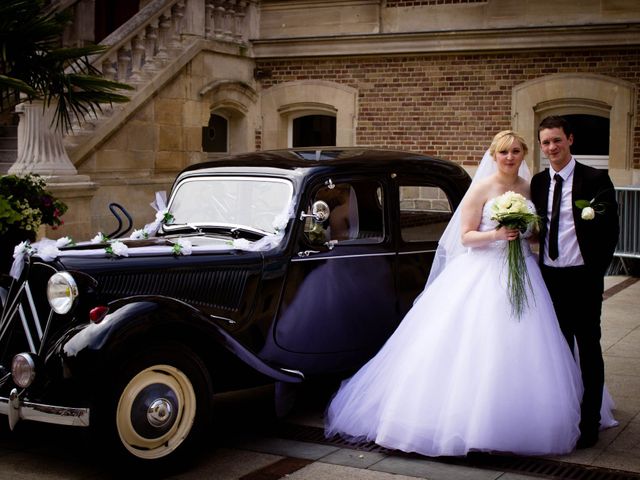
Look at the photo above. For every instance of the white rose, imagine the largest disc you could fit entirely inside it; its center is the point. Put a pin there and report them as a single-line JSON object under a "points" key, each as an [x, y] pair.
{"points": [[588, 213], [63, 242], [138, 234], [99, 238], [185, 246], [241, 244], [120, 249]]}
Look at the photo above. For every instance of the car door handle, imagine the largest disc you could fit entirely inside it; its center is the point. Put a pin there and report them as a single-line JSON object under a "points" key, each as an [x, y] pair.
{"points": [[306, 253]]}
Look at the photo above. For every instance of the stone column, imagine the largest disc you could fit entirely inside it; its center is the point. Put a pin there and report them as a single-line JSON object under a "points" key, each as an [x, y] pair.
{"points": [[41, 151], [40, 147]]}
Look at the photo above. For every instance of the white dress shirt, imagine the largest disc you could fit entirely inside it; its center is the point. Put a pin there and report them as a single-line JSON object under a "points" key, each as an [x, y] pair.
{"points": [[568, 250]]}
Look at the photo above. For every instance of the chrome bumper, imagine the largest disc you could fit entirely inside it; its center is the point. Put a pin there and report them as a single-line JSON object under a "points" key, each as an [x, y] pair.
{"points": [[16, 410]]}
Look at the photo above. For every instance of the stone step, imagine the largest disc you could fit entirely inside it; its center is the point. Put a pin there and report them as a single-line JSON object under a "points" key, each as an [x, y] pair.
{"points": [[8, 147], [9, 131], [8, 143]]}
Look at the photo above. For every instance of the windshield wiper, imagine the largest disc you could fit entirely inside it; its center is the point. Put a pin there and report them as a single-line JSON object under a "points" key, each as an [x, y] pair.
{"points": [[236, 231], [231, 229]]}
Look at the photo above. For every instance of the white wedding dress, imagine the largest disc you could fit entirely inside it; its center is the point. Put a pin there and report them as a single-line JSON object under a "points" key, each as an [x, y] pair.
{"points": [[462, 374]]}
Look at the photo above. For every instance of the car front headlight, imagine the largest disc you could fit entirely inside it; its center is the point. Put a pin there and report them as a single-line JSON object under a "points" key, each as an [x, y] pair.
{"points": [[62, 292], [23, 370]]}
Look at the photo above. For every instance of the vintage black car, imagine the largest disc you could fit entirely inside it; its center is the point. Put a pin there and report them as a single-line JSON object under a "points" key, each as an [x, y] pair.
{"points": [[274, 266]]}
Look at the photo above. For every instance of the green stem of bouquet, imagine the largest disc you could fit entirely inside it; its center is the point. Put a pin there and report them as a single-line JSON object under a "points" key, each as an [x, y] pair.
{"points": [[518, 277]]}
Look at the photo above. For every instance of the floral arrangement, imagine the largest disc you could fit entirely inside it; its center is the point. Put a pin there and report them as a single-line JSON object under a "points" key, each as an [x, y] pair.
{"points": [[25, 204], [511, 210]]}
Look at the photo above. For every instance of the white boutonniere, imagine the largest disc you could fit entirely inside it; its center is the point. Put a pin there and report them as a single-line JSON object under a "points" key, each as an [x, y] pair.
{"points": [[589, 208]]}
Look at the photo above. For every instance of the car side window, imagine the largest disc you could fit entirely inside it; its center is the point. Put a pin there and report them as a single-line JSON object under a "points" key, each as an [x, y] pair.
{"points": [[355, 214], [425, 212]]}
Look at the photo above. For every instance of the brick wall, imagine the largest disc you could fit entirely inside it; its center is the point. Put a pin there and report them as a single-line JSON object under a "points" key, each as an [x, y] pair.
{"points": [[448, 105]]}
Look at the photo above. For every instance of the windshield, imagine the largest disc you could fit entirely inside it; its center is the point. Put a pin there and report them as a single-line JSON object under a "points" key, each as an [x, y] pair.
{"points": [[252, 202]]}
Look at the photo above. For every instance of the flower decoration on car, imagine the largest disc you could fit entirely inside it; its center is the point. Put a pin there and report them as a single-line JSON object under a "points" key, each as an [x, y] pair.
{"points": [[139, 234], [22, 249], [117, 249], [65, 242], [100, 238], [182, 247], [164, 216]]}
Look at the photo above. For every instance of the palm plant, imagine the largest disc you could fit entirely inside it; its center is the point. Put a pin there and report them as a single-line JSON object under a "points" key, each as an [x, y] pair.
{"points": [[33, 64]]}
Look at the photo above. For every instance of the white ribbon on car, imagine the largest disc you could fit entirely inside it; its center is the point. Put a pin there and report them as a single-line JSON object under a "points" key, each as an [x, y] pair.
{"points": [[48, 249]]}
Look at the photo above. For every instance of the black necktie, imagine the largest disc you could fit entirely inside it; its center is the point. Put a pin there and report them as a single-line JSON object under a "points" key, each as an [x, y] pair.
{"points": [[555, 218]]}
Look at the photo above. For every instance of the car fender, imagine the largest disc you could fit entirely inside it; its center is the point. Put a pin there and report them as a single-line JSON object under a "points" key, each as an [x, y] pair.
{"points": [[135, 316]]}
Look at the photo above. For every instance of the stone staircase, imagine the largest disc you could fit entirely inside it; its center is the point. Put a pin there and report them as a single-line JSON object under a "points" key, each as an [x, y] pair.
{"points": [[149, 49], [8, 147], [146, 53]]}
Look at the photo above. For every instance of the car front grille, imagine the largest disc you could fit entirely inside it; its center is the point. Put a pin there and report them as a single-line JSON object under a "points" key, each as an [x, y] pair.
{"points": [[26, 316], [220, 288]]}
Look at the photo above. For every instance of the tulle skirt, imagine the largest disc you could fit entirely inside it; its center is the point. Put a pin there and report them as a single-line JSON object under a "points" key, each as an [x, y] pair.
{"points": [[462, 374]]}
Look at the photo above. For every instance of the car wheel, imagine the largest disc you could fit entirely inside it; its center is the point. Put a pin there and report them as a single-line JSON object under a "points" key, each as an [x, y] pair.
{"points": [[163, 401]]}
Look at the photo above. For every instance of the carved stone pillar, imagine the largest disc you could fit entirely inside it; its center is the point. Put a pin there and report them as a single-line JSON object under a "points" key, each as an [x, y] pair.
{"points": [[41, 151], [40, 147]]}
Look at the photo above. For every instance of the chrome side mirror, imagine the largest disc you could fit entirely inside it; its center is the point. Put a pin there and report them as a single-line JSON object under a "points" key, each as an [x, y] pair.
{"points": [[320, 212]]}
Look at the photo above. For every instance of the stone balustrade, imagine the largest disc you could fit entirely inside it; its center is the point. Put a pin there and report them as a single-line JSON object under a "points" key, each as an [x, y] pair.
{"points": [[145, 44]]}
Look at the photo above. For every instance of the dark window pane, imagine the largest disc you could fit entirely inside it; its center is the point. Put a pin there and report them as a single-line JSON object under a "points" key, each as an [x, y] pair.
{"points": [[214, 135], [424, 213], [590, 134], [314, 131]]}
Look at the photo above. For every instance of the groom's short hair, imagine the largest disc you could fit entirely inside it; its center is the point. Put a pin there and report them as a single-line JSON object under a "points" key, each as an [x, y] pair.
{"points": [[555, 121]]}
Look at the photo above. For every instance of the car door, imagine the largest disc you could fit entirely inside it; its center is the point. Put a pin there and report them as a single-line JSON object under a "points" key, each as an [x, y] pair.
{"points": [[339, 302], [424, 211]]}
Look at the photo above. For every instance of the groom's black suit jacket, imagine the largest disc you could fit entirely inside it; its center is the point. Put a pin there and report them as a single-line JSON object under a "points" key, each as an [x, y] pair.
{"points": [[597, 238]]}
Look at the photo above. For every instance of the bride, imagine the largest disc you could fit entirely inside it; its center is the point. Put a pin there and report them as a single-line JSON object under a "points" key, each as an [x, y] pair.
{"points": [[462, 373]]}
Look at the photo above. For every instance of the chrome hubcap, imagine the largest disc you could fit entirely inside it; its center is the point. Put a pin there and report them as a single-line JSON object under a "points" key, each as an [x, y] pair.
{"points": [[160, 412]]}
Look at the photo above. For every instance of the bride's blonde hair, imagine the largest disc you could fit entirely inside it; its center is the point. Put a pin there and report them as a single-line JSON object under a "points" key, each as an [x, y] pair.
{"points": [[503, 141]]}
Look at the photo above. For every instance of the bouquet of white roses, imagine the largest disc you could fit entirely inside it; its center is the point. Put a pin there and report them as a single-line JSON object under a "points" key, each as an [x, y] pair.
{"points": [[511, 210]]}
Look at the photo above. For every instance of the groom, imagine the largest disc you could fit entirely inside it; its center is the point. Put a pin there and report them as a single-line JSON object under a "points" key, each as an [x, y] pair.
{"points": [[576, 247]]}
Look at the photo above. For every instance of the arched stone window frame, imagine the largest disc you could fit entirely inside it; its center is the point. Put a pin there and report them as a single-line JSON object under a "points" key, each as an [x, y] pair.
{"points": [[296, 110], [237, 102], [286, 101], [221, 113], [585, 93]]}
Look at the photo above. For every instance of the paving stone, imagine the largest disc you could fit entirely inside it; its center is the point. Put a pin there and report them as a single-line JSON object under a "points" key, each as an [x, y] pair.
{"points": [[227, 464], [432, 470], [288, 448], [325, 471], [353, 458]]}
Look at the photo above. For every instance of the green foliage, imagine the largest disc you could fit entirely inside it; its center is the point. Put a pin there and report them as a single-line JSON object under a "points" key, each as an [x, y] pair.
{"points": [[25, 204], [34, 64]]}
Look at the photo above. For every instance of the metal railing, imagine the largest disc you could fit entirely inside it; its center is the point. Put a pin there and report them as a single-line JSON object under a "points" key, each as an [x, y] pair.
{"points": [[629, 214]]}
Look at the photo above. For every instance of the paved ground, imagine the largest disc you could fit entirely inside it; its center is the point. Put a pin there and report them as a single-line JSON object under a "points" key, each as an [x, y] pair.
{"points": [[248, 443]]}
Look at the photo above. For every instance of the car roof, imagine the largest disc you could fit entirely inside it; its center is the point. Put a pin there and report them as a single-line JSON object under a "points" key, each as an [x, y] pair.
{"points": [[309, 158]]}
